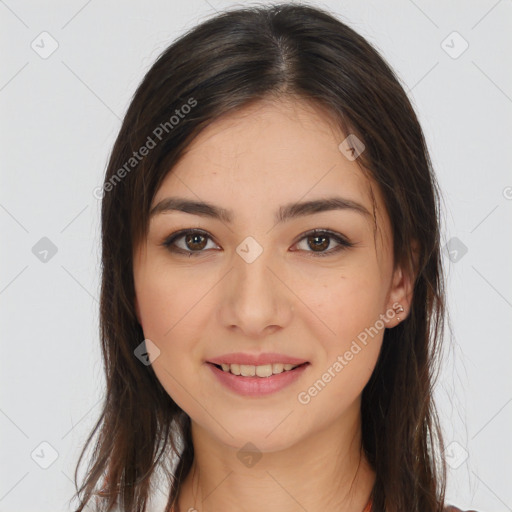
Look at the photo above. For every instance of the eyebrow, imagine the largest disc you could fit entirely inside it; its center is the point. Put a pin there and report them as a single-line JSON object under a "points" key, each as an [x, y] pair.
{"points": [[283, 214]]}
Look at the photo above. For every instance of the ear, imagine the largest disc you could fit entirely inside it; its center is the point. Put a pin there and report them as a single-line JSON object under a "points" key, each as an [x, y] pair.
{"points": [[402, 288]]}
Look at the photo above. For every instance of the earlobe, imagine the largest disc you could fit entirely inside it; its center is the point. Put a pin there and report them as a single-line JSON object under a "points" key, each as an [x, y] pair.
{"points": [[401, 295], [402, 291], [398, 308]]}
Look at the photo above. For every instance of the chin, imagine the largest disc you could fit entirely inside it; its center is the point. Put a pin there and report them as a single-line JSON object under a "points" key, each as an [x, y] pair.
{"points": [[265, 436]]}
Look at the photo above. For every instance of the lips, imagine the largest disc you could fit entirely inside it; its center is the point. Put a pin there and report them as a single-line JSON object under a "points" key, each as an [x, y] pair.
{"points": [[257, 386]]}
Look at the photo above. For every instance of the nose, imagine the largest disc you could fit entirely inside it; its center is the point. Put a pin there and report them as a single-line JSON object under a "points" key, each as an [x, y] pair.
{"points": [[256, 300]]}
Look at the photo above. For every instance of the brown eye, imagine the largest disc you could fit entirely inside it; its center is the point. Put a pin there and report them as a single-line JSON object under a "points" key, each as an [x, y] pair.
{"points": [[187, 241], [320, 242], [195, 242]]}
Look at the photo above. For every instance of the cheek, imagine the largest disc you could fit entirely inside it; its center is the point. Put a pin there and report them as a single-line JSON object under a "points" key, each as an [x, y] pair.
{"points": [[174, 312], [347, 303], [166, 309], [166, 301], [348, 356], [350, 333]]}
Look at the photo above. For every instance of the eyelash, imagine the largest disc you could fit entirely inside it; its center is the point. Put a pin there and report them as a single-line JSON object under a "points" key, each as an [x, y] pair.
{"points": [[343, 243]]}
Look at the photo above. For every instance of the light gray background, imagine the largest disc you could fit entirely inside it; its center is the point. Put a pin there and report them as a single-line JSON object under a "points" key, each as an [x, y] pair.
{"points": [[60, 116]]}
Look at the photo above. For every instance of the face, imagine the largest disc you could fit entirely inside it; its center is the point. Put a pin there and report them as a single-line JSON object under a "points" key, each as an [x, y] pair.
{"points": [[259, 275]]}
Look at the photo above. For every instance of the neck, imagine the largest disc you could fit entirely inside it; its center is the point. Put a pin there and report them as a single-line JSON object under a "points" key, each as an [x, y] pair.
{"points": [[327, 470]]}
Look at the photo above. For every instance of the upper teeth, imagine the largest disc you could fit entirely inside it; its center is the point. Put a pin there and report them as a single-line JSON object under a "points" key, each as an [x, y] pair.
{"points": [[264, 370]]}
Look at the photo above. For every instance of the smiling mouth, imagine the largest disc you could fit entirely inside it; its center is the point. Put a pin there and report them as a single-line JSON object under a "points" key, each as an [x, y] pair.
{"points": [[264, 370]]}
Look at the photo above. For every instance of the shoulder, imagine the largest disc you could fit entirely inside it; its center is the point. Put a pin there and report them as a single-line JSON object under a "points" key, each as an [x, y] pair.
{"points": [[451, 508]]}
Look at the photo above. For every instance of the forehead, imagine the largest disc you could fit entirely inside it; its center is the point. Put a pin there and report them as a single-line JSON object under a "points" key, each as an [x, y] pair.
{"points": [[280, 150]]}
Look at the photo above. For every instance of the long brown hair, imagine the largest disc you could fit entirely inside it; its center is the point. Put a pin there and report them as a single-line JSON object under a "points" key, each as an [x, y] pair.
{"points": [[223, 64]]}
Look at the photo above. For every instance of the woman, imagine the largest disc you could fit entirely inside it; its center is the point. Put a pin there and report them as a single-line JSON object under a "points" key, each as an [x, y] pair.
{"points": [[272, 297]]}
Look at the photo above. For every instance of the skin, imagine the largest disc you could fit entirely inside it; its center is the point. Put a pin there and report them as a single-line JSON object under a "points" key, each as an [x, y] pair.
{"points": [[288, 300]]}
